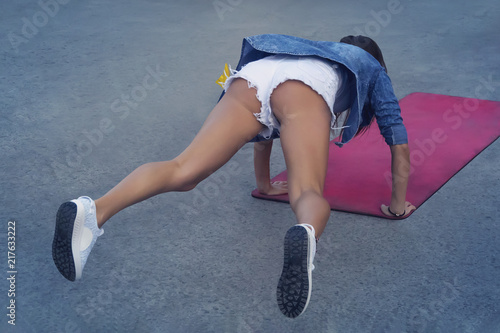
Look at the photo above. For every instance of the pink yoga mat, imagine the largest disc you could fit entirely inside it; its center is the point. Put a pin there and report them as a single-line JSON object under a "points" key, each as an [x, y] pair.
{"points": [[445, 133]]}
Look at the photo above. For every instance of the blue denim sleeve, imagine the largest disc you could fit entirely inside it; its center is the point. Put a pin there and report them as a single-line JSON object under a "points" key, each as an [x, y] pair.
{"points": [[387, 112]]}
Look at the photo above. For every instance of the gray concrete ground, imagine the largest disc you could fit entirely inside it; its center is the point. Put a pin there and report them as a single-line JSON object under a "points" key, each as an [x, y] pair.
{"points": [[209, 260]]}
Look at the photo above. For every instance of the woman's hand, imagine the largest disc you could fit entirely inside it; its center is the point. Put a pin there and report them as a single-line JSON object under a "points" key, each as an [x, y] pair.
{"points": [[274, 188], [408, 209]]}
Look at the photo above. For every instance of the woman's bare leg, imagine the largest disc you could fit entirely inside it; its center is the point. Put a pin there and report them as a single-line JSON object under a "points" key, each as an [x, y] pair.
{"points": [[228, 127], [305, 135]]}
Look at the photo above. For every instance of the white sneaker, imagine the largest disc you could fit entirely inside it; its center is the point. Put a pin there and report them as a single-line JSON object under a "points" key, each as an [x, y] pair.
{"points": [[75, 235], [295, 284]]}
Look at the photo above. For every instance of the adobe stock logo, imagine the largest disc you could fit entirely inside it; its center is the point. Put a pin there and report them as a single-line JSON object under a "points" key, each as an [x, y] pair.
{"points": [[222, 7], [120, 109], [454, 118], [381, 19], [31, 27]]}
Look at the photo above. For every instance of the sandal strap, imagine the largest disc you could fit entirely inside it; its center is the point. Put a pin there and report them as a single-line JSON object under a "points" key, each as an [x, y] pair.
{"points": [[396, 215]]}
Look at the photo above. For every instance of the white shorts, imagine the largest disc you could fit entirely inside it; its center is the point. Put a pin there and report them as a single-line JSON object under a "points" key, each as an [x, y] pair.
{"points": [[267, 73]]}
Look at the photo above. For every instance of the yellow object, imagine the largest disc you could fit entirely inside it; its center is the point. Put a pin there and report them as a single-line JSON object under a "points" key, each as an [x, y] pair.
{"points": [[222, 79]]}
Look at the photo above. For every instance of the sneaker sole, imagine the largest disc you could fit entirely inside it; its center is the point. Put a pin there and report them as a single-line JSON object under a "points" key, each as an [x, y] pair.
{"points": [[67, 237], [295, 284]]}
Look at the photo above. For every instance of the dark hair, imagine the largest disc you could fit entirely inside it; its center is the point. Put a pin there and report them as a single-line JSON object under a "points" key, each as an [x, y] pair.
{"points": [[369, 45]]}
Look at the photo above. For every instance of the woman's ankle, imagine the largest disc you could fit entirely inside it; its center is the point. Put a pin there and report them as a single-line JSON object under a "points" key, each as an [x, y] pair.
{"points": [[100, 213], [311, 227]]}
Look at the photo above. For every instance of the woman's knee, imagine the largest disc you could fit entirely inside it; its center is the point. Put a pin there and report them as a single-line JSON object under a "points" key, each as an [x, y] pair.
{"points": [[186, 177], [188, 186], [307, 197]]}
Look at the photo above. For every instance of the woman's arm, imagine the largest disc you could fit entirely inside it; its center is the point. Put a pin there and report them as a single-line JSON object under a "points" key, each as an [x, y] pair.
{"points": [[262, 155], [388, 113], [400, 167]]}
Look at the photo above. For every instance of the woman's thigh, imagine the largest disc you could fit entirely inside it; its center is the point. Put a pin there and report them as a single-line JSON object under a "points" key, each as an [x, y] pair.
{"points": [[305, 134], [227, 128]]}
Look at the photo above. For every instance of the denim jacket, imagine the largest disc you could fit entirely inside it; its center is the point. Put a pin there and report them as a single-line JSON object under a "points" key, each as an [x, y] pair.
{"points": [[369, 85]]}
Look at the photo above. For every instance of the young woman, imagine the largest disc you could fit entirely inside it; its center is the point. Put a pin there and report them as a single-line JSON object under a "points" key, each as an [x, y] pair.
{"points": [[304, 92]]}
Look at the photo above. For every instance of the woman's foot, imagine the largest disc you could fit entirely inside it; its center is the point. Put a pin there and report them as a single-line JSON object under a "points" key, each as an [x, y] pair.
{"points": [[295, 284], [75, 235]]}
